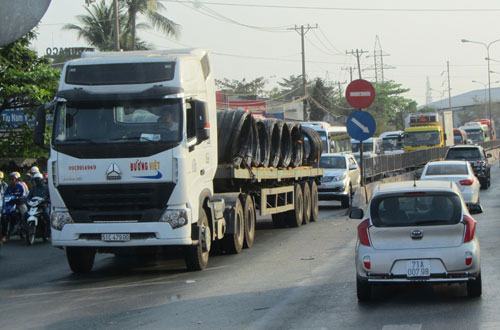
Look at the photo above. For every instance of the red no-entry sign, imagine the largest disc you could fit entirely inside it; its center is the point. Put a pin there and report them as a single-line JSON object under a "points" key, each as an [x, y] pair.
{"points": [[360, 94]]}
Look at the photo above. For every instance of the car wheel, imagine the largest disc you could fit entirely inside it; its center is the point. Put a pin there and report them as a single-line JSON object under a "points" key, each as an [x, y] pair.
{"points": [[484, 183], [475, 287], [345, 203], [363, 290]]}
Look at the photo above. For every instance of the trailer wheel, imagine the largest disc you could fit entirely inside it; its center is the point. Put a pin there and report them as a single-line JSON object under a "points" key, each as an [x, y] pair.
{"points": [[250, 221], [295, 217], [314, 202], [196, 257], [233, 242], [80, 260], [306, 191]]}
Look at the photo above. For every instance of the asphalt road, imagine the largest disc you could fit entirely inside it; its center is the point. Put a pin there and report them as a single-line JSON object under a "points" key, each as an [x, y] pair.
{"points": [[291, 278]]}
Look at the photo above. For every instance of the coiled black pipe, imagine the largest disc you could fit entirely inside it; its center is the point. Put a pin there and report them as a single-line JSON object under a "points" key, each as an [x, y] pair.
{"points": [[274, 129], [297, 144], [264, 143], [286, 147], [312, 146]]}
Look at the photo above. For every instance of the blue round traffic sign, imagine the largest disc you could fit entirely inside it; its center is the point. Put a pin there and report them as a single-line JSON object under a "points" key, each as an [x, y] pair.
{"points": [[361, 125]]}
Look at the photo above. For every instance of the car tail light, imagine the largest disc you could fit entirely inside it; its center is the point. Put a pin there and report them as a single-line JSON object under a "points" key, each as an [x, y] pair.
{"points": [[367, 263], [466, 182], [470, 228], [468, 258], [363, 235]]}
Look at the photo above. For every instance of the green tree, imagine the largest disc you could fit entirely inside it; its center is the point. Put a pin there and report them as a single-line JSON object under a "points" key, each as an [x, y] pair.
{"points": [[27, 81], [246, 89], [321, 100], [97, 28], [150, 9], [290, 88]]}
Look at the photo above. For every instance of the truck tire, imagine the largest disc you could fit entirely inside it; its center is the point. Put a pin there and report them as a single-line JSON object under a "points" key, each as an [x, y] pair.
{"points": [[250, 222], [306, 191], [295, 217], [314, 202], [233, 242], [80, 259], [196, 257]]}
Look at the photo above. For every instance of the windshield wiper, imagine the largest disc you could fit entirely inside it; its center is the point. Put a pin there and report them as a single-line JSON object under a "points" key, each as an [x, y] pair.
{"points": [[133, 138], [78, 140], [430, 222]]}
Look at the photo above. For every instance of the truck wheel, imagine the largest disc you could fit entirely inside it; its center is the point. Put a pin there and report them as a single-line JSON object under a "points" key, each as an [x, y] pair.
{"points": [[250, 220], [295, 217], [233, 242], [306, 190], [278, 220], [80, 259], [314, 202], [196, 257]]}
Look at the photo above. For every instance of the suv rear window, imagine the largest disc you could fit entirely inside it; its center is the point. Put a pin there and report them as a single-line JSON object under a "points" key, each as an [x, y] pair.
{"points": [[441, 169], [463, 153], [416, 209]]}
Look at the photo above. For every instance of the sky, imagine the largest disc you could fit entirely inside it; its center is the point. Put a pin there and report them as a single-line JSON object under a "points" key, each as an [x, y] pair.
{"points": [[419, 37]]}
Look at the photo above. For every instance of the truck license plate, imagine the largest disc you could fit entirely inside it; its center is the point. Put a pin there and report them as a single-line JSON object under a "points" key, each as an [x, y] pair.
{"points": [[115, 237], [418, 268]]}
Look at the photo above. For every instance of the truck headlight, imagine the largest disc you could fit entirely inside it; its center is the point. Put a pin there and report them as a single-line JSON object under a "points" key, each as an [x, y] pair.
{"points": [[175, 218], [60, 218]]}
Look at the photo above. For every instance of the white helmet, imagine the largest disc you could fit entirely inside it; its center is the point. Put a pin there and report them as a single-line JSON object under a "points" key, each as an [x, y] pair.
{"points": [[38, 176], [34, 170], [15, 175]]}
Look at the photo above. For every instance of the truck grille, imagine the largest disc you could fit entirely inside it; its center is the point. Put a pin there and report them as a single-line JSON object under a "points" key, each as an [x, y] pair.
{"points": [[116, 202]]}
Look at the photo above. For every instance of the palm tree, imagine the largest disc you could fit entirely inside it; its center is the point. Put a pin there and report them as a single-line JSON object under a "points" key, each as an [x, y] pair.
{"points": [[97, 28], [151, 10]]}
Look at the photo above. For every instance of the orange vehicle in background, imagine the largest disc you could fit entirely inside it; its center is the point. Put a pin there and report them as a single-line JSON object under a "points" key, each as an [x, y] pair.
{"points": [[491, 127]]}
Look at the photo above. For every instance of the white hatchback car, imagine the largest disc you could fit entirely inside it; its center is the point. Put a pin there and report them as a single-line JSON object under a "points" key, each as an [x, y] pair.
{"points": [[457, 171], [417, 231]]}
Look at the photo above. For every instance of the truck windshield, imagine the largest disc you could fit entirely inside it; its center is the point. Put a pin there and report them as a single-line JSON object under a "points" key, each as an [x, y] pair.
{"points": [[476, 135], [367, 147], [424, 138], [118, 122], [391, 143]]}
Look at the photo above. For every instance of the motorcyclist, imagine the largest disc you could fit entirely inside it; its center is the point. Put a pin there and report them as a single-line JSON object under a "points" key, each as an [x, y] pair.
{"points": [[15, 188], [40, 189]]}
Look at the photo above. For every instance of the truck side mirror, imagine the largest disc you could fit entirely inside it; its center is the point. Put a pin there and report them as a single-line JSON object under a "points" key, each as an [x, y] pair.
{"points": [[202, 121], [39, 132]]}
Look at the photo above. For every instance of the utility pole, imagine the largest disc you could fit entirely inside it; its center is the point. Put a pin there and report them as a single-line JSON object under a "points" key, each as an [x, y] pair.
{"points": [[302, 31], [348, 68], [357, 53], [117, 26], [449, 84]]}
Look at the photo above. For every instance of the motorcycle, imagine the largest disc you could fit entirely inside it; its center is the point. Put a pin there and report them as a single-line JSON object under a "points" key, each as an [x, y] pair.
{"points": [[36, 224], [11, 216]]}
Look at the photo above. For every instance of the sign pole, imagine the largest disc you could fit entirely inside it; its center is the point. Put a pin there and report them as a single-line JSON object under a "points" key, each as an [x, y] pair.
{"points": [[361, 167]]}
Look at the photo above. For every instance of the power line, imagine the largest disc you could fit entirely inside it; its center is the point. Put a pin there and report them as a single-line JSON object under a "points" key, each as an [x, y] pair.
{"points": [[328, 40], [348, 9]]}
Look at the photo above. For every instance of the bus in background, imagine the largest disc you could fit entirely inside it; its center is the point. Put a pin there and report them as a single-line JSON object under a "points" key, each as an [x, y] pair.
{"points": [[392, 142], [492, 134], [371, 147], [476, 132], [459, 136], [334, 138]]}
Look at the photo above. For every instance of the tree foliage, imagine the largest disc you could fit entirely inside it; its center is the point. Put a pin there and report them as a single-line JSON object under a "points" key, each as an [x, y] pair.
{"points": [[245, 89], [26, 81]]}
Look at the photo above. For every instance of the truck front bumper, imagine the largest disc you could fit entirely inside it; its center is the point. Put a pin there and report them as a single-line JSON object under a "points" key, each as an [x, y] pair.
{"points": [[141, 234]]}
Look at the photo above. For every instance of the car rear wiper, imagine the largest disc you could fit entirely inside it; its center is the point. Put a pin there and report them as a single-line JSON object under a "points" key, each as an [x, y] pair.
{"points": [[430, 222]]}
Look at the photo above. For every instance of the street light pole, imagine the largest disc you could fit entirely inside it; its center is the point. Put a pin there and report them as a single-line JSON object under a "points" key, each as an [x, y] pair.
{"points": [[487, 46], [485, 93]]}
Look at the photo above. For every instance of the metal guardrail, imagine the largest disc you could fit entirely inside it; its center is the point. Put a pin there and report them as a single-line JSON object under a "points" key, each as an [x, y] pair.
{"points": [[385, 165]]}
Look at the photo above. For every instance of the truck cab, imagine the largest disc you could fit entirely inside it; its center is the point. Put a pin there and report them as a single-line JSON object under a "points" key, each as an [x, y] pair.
{"points": [[425, 131], [132, 151]]}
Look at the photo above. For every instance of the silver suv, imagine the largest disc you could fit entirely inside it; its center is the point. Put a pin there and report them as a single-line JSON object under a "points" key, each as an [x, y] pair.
{"points": [[417, 231]]}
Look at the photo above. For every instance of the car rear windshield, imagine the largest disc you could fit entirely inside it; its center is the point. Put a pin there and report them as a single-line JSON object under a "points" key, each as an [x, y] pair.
{"points": [[119, 73], [447, 169], [463, 153], [416, 209]]}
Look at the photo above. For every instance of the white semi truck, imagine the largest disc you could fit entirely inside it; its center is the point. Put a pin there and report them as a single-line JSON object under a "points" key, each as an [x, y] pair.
{"points": [[133, 163]]}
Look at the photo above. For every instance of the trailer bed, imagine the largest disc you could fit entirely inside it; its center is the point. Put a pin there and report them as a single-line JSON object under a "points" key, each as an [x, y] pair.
{"points": [[266, 173]]}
